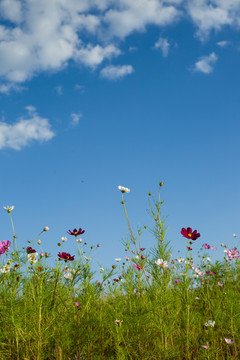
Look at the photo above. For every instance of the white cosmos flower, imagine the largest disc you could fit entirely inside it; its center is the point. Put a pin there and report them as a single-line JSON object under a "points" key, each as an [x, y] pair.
{"points": [[101, 270], [79, 240], [87, 258], [32, 258], [5, 269], [161, 262], [68, 276], [210, 323], [118, 259], [9, 208], [118, 322], [180, 260], [123, 189], [209, 259], [63, 239], [235, 235]]}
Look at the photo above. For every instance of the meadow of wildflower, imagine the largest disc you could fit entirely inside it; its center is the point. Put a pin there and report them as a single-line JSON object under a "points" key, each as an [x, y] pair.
{"points": [[149, 306]]}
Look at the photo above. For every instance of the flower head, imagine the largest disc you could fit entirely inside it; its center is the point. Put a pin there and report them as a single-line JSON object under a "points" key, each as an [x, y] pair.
{"points": [[118, 322], [30, 250], [5, 244], [229, 341], [123, 189], [206, 246], [162, 263], [46, 228], [66, 256], [77, 304], [76, 232], [142, 249], [63, 239], [210, 323], [180, 260], [136, 267], [189, 234], [205, 346], [177, 280], [235, 235], [213, 248], [32, 257], [220, 284], [5, 269], [118, 259], [9, 208], [233, 254]]}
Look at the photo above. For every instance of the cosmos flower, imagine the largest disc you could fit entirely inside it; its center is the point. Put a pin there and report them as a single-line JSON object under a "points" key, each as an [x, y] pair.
{"points": [[136, 267], [205, 346], [32, 257], [206, 246], [30, 250], [68, 276], [189, 234], [5, 269], [46, 228], [220, 284], [9, 208], [229, 341], [5, 244], [213, 248], [177, 280], [63, 239], [161, 262], [76, 232], [123, 189], [142, 249], [118, 322], [210, 323], [66, 256], [235, 235], [180, 260], [77, 304], [118, 259], [233, 253]]}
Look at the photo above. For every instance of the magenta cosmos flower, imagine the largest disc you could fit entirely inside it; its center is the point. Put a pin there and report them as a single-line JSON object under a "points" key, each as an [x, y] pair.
{"points": [[5, 244], [136, 267], [206, 246], [76, 232], [66, 256], [189, 234], [233, 254]]}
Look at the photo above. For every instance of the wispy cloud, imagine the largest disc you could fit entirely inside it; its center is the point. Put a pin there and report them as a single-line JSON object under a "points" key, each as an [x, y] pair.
{"points": [[25, 130], [7, 88], [164, 45], [59, 90], [75, 118], [112, 72], [223, 43], [205, 63]]}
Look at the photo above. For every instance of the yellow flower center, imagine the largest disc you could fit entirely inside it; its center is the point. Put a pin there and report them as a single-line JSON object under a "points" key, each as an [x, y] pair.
{"points": [[189, 235]]}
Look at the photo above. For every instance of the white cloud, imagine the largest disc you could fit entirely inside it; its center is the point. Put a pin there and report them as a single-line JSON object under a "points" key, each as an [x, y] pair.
{"points": [[164, 45], [8, 87], [94, 55], [223, 43], [25, 130], [211, 15], [112, 72], [135, 15], [75, 118], [205, 63]]}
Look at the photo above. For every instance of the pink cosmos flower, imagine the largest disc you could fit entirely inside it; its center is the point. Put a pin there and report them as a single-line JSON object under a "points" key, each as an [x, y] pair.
{"points": [[142, 249], [213, 248], [229, 341], [206, 246], [233, 253], [5, 244], [77, 304], [220, 284], [136, 267], [177, 280], [205, 346]]}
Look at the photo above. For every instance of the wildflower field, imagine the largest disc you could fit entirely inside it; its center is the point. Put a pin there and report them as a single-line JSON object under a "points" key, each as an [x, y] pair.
{"points": [[146, 306]]}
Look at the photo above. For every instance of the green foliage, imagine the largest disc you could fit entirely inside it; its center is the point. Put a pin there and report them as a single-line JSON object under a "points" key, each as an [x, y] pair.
{"points": [[150, 311]]}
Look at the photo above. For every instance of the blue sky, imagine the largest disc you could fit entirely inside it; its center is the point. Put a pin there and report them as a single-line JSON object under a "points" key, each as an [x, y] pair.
{"points": [[94, 95]]}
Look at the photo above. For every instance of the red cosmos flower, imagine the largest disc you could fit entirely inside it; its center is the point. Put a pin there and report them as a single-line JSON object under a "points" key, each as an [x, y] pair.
{"points": [[75, 232], [66, 256], [30, 250], [189, 234]]}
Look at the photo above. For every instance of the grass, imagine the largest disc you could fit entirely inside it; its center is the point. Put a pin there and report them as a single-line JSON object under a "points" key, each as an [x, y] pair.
{"points": [[160, 308]]}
